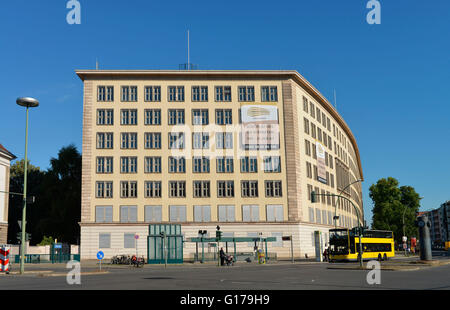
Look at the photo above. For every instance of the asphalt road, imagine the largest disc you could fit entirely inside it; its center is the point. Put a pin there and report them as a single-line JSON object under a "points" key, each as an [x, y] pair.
{"points": [[299, 276]]}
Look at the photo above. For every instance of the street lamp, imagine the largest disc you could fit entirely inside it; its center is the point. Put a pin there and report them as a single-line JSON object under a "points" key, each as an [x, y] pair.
{"points": [[403, 217], [203, 233], [335, 217], [28, 103]]}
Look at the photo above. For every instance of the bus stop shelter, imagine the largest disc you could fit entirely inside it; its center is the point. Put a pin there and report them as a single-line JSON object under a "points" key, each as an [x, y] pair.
{"points": [[233, 240]]}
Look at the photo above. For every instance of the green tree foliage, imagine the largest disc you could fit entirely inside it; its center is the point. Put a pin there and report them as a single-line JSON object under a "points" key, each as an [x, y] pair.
{"points": [[390, 203], [46, 241], [34, 180], [58, 198]]}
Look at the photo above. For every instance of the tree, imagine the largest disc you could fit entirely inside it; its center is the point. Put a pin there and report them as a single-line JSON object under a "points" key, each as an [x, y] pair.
{"points": [[34, 180], [62, 194], [56, 211], [390, 203]]}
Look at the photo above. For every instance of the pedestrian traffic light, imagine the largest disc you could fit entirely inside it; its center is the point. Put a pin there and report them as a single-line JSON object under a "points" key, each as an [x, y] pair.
{"points": [[313, 197], [218, 234]]}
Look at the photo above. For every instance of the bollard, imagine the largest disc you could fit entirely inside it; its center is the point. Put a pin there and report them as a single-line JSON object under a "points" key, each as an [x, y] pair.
{"points": [[424, 234]]}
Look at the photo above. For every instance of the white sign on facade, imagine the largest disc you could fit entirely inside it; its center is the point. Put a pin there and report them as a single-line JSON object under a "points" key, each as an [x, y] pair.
{"points": [[260, 128], [321, 172]]}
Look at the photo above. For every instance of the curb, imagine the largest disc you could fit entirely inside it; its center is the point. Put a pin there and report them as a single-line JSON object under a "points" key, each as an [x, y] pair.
{"points": [[65, 274]]}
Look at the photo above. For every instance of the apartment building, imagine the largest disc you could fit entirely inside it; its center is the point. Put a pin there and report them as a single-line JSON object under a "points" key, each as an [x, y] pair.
{"points": [[5, 163], [239, 149]]}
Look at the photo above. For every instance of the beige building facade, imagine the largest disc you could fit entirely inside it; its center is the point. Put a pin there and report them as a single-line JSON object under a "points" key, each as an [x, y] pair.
{"points": [[5, 163], [239, 149]]}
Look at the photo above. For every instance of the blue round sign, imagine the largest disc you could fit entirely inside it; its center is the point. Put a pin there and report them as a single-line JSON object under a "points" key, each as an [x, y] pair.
{"points": [[100, 255]]}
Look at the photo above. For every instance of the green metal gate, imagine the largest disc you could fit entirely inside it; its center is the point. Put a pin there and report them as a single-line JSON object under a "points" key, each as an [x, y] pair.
{"points": [[162, 239]]}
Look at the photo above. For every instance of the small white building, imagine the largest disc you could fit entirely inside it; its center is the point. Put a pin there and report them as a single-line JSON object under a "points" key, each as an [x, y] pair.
{"points": [[5, 162]]}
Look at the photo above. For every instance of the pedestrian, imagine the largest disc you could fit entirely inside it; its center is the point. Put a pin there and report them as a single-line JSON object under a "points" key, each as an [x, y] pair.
{"points": [[222, 257], [325, 255]]}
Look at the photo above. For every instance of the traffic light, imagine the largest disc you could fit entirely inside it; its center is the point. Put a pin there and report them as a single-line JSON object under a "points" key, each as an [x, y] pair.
{"points": [[218, 234], [27, 236], [313, 197]]}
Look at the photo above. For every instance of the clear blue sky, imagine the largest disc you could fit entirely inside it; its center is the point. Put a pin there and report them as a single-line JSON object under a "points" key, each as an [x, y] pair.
{"points": [[392, 80]]}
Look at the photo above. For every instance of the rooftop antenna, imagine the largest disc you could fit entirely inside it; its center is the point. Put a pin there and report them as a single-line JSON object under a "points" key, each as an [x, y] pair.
{"points": [[96, 64], [335, 104], [188, 51], [188, 66]]}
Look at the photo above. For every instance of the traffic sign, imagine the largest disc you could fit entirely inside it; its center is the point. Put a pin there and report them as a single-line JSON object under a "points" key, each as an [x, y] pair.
{"points": [[404, 238], [100, 255], [58, 246], [136, 236]]}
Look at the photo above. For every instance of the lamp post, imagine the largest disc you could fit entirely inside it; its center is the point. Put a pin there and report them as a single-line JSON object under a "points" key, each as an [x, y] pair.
{"points": [[335, 205], [360, 228], [28, 103], [403, 218], [203, 233]]}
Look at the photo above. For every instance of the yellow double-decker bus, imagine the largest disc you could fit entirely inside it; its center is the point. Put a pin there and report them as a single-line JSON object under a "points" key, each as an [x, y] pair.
{"points": [[376, 244]]}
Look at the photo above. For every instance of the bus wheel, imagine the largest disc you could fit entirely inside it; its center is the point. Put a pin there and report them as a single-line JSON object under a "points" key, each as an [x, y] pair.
{"points": [[385, 257], [379, 258]]}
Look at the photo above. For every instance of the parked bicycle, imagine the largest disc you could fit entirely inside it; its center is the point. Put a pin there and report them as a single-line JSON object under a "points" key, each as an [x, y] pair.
{"points": [[137, 261]]}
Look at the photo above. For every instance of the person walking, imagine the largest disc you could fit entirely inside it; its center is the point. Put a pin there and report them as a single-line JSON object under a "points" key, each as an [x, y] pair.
{"points": [[222, 257]]}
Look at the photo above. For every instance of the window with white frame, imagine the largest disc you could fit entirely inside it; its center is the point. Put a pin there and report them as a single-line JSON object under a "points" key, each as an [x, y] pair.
{"points": [[177, 189], [104, 164], [104, 189], [176, 116], [250, 213], [128, 214], [224, 117], [153, 214], [176, 140], [274, 213], [152, 93], [104, 140], [202, 213], [152, 189], [128, 117], [246, 93], [128, 189], [177, 164], [105, 117], [104, 241], [177, 213], [226, 213], [176, 93], [224, 165], [225, 189], [152, 164], [200, 117], [152, 116], [103, 214], [272, 164], [128, 140], [129, 242], [152, 140], [128, 164]]}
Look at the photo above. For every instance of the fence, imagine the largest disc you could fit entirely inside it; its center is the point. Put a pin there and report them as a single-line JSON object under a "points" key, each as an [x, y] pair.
{"points": [[47, 258]]}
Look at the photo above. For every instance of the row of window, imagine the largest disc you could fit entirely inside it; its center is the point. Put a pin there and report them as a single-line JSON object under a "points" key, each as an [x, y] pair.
{"points": [[225, 213], [319, 134], [177, 189], [327, 218], [177, 140], [309, 174], [177, 93], [153, 164], [153, 117]]}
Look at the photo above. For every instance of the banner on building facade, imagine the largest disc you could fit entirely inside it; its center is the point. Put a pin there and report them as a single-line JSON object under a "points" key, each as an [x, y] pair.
{"points": [[321, 172], [259, 127]]}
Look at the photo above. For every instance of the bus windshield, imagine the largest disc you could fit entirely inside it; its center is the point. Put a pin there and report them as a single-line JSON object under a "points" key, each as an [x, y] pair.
{"points": [[339, 241]]}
